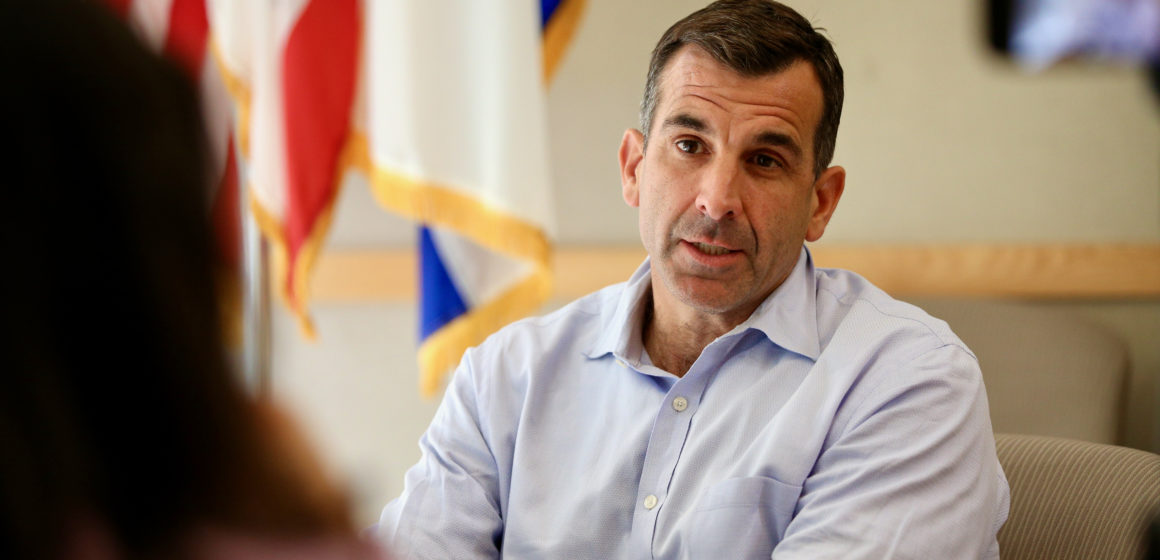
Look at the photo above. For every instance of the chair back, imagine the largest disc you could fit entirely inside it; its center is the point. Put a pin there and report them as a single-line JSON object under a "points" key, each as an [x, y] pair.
{"points": [[1048, 371], [1076, 500]]}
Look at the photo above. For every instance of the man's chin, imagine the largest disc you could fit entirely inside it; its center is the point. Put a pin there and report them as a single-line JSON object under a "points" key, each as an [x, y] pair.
{"points": [[709, 297]]}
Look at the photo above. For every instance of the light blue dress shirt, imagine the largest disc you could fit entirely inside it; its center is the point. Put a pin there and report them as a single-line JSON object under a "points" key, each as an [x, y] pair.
{"points": [[835, 422]]}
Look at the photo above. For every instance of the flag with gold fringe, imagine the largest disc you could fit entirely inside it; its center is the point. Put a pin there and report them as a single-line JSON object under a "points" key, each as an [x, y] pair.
{"points": [[456, 139], [441, 104], [291, 67]]}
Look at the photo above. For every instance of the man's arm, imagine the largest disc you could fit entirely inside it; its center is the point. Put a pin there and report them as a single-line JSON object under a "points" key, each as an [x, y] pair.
{"points": [[450, 505], [913, 474]]}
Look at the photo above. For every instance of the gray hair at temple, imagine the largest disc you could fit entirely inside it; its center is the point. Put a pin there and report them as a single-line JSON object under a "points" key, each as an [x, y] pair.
{"points": [[754, 38]]}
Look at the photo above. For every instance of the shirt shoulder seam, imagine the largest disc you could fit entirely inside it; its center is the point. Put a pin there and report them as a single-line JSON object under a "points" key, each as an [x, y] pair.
{"points": [[851, 298]]}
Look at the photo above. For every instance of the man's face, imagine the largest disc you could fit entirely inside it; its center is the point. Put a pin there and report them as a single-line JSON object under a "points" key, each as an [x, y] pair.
{"points": [[726, 188]]}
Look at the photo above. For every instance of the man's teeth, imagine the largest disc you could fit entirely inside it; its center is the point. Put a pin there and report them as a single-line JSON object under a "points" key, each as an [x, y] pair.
{"points": [[711, 249]]}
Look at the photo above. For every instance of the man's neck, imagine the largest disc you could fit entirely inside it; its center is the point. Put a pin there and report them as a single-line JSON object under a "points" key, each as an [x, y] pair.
{"points": [[674, 340]]}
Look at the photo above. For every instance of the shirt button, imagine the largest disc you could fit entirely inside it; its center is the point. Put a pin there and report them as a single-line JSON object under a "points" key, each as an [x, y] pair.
{"points": [[680, 404], [650, 501]]}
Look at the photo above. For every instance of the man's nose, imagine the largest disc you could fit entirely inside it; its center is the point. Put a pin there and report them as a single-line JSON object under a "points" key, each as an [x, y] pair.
{"points": [[719, 195]]}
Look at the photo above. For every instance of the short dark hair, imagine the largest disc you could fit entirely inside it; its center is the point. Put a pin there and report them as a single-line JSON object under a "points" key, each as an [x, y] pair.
{"points": [[755, 38]]}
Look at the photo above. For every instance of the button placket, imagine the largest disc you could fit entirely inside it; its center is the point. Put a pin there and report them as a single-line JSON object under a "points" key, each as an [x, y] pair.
{"points": [[664, 453], [666, 444]]}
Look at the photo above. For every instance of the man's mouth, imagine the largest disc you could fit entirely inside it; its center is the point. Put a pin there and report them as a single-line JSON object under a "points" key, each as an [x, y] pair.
{"points": [[710, 249]]}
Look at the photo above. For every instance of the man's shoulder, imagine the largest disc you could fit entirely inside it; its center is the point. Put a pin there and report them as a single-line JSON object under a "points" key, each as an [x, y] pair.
{"points": [[552, 345], [851, 307], [880, 348]]}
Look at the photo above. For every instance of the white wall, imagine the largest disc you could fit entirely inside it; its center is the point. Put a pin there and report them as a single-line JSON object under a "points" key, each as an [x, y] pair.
{"points": [[943, 142]]}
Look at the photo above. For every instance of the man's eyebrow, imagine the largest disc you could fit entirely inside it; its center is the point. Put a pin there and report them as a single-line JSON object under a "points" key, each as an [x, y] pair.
{"points": [[770, 138], [685, 120]]}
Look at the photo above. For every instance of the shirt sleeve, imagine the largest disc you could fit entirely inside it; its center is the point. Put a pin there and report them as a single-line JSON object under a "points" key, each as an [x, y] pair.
{"points": [[912, 474], [450, 503]]}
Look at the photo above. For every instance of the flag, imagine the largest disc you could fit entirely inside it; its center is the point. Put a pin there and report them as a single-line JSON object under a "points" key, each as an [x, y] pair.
{"points": [[179, 29], [456, 139], [439, 103], [291, 67]]}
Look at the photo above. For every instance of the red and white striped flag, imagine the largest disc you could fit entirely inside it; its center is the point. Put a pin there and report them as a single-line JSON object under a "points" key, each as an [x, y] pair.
{"points": [[291, 67]]}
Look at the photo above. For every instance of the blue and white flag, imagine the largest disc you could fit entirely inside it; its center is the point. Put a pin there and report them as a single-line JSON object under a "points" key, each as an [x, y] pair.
{"points": [[454, 112]]}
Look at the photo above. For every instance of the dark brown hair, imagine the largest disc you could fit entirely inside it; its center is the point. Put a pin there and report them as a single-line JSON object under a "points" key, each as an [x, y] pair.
{"points": [[754, 38], [117, 403]]}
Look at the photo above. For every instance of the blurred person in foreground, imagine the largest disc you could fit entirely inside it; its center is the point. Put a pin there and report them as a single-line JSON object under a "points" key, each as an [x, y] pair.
{"points": [[730, 400], [123, 431]]}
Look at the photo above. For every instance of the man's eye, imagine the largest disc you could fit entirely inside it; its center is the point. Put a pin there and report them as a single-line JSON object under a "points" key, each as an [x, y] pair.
{"points": [[689, 146], [766, 160]]}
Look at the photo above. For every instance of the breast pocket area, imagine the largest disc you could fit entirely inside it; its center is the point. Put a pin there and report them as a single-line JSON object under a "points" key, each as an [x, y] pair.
{"points": [[741, 518]]}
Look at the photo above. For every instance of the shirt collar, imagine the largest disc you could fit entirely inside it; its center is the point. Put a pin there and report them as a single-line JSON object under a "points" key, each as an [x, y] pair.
{"points": [[788, 317], [621, 330]]}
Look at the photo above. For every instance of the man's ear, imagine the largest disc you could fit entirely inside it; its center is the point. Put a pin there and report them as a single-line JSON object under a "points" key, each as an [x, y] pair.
{"points": [[631, 155], [827, 191]]}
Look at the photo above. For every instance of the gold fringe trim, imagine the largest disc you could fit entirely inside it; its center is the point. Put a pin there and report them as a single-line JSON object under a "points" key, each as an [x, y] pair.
{"points": [[558, 35], [271, 228], [432, 203], [239, 91], [441, 352]]}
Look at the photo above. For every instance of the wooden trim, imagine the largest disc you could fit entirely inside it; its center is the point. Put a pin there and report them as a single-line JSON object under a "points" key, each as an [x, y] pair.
{"points": [[1052, 271], [1038, 271]]}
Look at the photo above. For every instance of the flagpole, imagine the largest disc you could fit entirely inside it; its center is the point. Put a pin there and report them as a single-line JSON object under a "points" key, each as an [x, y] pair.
{"points": [[255, 294]]}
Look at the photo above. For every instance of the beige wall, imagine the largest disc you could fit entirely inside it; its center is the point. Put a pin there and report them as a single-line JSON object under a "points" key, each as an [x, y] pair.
{"points": [[943, 142]]}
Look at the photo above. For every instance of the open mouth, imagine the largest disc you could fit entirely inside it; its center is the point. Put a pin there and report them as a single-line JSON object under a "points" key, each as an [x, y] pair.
{"points": [[710, 249]]}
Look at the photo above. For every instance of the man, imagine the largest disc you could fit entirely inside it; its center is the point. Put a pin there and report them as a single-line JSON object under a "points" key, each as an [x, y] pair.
{"points": [[730, 400]]}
